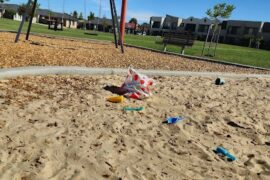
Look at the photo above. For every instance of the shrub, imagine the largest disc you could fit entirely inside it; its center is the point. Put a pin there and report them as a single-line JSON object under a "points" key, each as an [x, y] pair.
{"points": [[9, 14]]}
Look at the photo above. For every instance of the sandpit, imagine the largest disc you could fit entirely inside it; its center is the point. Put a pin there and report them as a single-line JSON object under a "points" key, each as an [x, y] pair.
{"points": [[42, 51], [61, 127]]}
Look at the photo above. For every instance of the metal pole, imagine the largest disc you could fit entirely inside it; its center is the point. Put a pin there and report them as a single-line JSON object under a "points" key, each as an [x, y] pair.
{"points": [[85, 15], [206, 40], [113, 24], [217, 41], [31, 19], [123, 20], [117, 26], [23, 20], [99, 14]]}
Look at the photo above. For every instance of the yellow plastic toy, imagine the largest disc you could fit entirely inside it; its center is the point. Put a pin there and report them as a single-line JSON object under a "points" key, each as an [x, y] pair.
{"points": [[116, 99]]}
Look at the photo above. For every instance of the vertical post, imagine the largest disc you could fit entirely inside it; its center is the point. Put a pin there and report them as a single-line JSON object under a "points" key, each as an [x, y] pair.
{"points": [[206, 40], [217, 41], [123, 20], [31, 19], [22, 22], [113, 24]]}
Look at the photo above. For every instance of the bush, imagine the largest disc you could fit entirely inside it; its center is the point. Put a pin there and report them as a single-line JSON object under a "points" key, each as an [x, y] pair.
{"points": [[9, 14]]}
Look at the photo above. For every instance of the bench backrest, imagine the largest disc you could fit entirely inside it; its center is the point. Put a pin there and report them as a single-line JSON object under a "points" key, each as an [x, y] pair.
{"points": [[179, 38]]}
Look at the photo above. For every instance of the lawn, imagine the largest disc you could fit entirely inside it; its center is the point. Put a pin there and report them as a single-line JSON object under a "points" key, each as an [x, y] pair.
{"points": [[229, 53]]}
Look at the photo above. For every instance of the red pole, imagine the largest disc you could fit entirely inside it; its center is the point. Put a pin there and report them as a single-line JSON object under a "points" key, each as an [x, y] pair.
{"points": [[123, 19]]}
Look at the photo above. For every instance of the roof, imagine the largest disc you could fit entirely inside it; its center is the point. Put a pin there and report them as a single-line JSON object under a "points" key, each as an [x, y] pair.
{"points": [[46, 12], [43, 12], [101, 21], [13, 7]]}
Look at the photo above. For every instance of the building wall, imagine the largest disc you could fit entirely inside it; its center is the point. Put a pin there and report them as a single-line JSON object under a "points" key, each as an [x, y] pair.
{"points": [[239, 32], [17, 17], [73, 24], [154, 29]]}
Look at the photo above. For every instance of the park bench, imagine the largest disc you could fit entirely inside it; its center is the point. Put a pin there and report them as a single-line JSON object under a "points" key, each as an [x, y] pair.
{"points": [[182, 39], [52, 24]]}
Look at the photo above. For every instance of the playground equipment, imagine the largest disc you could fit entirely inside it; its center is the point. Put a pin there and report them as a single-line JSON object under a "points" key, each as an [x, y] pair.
{"points": [[212, 40], [118, 38]]}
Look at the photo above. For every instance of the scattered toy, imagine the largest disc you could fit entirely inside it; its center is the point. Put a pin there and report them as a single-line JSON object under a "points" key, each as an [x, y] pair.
{"points": [[133, 109], [137, 85], [224, 152], [173, 120], [220, 81], [116, 99]]}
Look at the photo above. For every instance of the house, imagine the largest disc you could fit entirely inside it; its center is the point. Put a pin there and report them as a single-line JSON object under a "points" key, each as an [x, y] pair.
{"points": [[156, 25], [265, 32], [100, 24], [41, 16], [10, 11], [45, 15], [159, 25], [239, 32], [198, 26]]}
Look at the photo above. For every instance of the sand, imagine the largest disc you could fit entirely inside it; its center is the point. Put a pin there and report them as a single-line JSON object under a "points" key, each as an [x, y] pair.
{"points": [[61, 127], [41, 51]]}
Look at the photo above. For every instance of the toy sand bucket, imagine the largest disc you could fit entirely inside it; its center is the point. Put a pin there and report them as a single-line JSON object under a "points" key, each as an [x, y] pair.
{"points": [[116, 99]]}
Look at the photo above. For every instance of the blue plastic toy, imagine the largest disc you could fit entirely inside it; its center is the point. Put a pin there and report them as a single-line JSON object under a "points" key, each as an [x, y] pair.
{"points": [[133, 109], [224, 152], [173, 120]]}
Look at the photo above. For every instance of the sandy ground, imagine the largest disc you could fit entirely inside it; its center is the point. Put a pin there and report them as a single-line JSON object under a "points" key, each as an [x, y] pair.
{"points": [[62, 128], [47, 51]]}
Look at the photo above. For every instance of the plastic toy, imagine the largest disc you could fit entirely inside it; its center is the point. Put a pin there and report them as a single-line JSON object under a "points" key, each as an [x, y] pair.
{"points": [[116, 99], [224, 152], [173, 120], [133, 109]]}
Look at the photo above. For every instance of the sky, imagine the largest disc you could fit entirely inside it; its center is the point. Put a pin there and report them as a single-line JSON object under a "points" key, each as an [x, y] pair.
{"points": [[256, 10]]}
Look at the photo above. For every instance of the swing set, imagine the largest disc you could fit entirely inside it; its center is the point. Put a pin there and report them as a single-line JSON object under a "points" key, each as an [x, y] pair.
{"points": [[118, 31]]}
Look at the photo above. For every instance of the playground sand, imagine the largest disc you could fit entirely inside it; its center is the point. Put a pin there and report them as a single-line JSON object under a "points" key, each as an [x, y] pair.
{"points": [[63, 128], [41, 51]]}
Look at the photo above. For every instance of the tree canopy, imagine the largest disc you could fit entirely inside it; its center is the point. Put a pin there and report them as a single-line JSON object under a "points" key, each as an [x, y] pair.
{"points": [[91, 16], [80, 16], [23, 8], [2, 1], [75, 14], [221, 11], [133, 20]]}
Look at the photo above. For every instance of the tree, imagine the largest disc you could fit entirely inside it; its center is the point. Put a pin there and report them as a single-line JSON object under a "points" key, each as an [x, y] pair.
{"points": [[80, 16], [2, 1], [23, 8], [219, 12], [75, 14], [133, 20], [9, 14], [91, 16]]}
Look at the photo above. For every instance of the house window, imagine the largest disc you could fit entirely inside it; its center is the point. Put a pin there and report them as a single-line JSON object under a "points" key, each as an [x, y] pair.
{"points": [[266, 28], [203, 28], [190, 27], [251, 31], [233, 30], [156, 24]]}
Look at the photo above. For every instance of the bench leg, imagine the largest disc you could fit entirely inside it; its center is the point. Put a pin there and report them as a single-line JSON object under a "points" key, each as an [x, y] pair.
{"points": [[165, 48], [183, 50]]}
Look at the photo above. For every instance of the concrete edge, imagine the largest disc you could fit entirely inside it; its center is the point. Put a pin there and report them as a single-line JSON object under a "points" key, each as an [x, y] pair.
{"points": [[148, 49], [74, 70]]}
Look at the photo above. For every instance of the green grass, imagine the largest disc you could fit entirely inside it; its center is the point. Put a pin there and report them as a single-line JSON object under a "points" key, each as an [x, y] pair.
{"points": [[229, 53]]}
